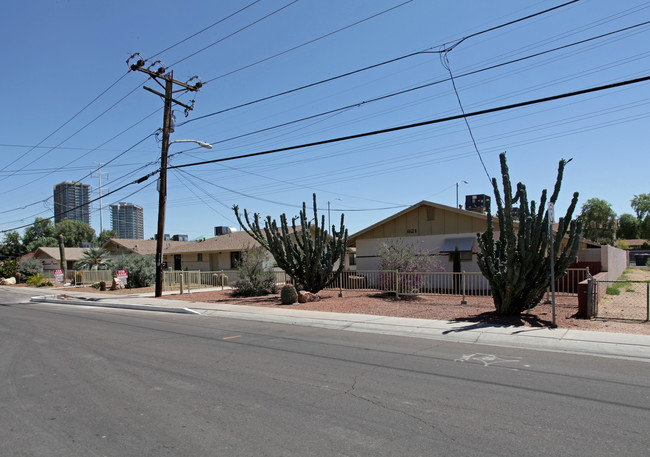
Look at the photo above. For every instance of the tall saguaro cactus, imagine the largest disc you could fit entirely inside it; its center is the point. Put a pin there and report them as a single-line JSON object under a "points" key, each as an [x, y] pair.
{"points": [[517, 265], [309, 254]]}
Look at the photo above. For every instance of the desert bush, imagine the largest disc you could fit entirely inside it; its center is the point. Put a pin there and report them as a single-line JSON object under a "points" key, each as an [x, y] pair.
{"points": [[141, 269], [256, 277], [396, 255], [30, 267]]}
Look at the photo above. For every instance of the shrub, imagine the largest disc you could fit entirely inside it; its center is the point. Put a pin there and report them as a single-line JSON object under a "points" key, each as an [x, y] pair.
{"points": [[395, 255], [8, 268], [288, 295], [30, 267], [38, 280], [141, 269], [101, 285], [256, 278]]}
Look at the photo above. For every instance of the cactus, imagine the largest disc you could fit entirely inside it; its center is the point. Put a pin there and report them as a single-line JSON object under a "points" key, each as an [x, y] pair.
{"points": [[288, 295], [517, 265], [307, 255]]}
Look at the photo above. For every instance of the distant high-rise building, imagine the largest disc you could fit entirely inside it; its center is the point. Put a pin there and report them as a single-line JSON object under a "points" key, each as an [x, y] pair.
{"points": [[127, 221], [71, 201]]}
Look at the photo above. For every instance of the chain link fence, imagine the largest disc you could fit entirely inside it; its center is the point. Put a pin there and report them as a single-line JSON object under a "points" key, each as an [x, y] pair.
{"points": [[622, 299]]}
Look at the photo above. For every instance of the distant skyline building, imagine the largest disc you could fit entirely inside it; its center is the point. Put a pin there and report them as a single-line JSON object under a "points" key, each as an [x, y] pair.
{"points": [[127, 221], [71, 201]]}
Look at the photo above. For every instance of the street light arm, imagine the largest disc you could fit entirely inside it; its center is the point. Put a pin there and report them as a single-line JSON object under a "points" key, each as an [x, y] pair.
{"points": [[203, 144]]}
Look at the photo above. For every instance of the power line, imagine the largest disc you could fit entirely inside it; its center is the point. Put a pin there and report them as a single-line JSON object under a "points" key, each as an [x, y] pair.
{"points": [[75, 133], [424, 123], [64, 124], [234, 33], [402, 92], [307, 86], [377, 132], [203, 30], [396, 59], [309, 42], [530, 16]]}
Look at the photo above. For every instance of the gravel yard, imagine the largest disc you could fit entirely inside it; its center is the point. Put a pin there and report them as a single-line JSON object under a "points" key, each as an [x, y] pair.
{"points": [[441, 307]]}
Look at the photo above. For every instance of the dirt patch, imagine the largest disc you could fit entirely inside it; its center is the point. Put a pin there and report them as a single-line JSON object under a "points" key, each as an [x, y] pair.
{"points": [[447, 308]]}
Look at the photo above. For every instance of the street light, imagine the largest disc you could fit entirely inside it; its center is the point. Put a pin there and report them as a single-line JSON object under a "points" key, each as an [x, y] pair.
{"points": [[162, 203], [463, 181], [203, 144], [329, 223]]}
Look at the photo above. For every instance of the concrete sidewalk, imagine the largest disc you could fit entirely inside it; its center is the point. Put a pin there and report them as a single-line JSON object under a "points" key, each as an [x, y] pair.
{"points": [[605, 344]]}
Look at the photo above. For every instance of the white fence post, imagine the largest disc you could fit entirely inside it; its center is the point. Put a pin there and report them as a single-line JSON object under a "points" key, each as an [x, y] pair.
{"points": [[463, 301]]}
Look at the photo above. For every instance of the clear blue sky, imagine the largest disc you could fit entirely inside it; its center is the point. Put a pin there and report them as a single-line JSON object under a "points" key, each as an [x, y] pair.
{"points": [[60, 55]]}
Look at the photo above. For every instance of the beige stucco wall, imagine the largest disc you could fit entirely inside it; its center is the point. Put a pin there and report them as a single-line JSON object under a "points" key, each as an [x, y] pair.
{"points": [[425, 221], [367, 258]]}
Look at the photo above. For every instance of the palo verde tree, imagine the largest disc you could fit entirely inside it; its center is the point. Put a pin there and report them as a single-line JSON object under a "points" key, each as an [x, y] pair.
{"points": [[517, 265], [307, 254]]}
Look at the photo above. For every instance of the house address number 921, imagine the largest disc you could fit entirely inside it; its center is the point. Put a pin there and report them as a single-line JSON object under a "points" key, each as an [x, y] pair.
{"points": [[412, 230]]}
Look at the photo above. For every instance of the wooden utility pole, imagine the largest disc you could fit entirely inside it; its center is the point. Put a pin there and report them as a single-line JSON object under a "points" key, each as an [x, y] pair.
{"points": [[170, 82]]}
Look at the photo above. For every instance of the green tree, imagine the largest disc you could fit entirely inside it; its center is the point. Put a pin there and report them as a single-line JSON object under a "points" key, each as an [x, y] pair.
{"points": [[94, 259], [75, 232], [644, 228], [598, 221], [308, 255], [104, 237], [517, 264], [641, 206], [40, 234], [11, 247], [628, 227]]}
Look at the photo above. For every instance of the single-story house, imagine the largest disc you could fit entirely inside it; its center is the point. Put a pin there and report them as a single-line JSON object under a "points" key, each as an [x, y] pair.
{"points": [[52, 259], [434, 227], [431, 226], [211, 254]]}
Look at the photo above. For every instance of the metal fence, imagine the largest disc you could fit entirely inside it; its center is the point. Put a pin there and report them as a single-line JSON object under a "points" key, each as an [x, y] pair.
{"points": [[472, 284], [401, 283], [622, 299]]}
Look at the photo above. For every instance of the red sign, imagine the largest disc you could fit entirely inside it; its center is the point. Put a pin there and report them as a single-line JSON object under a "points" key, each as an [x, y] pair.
{"points": [[58, 275], [121, 276]]}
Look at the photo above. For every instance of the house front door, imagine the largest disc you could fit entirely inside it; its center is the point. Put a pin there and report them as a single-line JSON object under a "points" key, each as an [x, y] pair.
{"points": [[177, 262]]}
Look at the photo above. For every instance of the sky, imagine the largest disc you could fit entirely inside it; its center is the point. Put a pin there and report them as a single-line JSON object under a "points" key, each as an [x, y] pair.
{"points": [[72, 110]]}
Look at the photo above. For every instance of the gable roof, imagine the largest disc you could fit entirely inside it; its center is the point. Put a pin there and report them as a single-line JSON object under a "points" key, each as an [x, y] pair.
{"points": [[236, 241], [142, 247], [463, 212], [71, 254]]}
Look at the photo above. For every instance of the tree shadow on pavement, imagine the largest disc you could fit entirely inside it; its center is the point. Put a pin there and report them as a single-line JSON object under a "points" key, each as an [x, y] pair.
{"points": [[492, 319]]}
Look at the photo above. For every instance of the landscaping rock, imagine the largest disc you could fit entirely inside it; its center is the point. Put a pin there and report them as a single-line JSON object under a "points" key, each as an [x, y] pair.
{"points": [[7, 281], [306, 297], [116, 284]]}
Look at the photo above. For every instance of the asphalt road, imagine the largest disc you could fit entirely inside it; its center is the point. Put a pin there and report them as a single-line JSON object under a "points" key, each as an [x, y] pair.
{"points": [[104, 382]]}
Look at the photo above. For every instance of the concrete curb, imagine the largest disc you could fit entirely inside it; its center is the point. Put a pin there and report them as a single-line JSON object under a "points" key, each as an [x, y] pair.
{"points": [[600, 344], [632, 347], [81, 302]]}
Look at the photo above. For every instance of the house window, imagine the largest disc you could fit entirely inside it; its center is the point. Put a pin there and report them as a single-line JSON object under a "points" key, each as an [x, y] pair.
{"points": [[431, 214], [235, 258], [352, 259], [199, 257]]}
